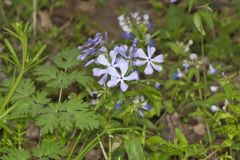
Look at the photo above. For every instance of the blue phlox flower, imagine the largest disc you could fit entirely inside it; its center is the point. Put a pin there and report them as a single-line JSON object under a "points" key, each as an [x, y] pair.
{"points": [[102, 60], [212, 70], [122, 50], [186, 65], [178, 74], [121, 77], [103, 49], [90, 46], [214, 108], [151, 62], [146, 106], [193, 56]]}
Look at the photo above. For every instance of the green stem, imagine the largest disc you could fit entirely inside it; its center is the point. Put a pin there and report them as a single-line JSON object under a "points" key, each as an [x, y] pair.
{"points": [[103, 150], [205, 91], [204, 69], [11, 92], [9, 110], [75, 144], [96, 140], [90, 145], [34, 17], [110, 147]]}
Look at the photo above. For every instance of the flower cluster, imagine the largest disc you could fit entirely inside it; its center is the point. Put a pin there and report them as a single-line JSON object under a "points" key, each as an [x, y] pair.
{"points": [[127, 22], [121, 64], [195, 62], [92, 46]]}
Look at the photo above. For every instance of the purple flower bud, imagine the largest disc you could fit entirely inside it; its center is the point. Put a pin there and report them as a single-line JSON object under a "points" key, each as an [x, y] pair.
{"points": [[147, 107], [158, 85], [177, 75], [117, 105], [106, 35], [150, 25], [151, 43], [127, 35], [212, 70], [173, 1], [135, 43]]}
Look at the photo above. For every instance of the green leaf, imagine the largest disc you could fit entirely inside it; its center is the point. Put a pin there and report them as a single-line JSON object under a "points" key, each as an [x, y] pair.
{"points": [[197, 19], [16, 154], [66, 59], [25, 88], [12, 51], [55, 78], [81, 78], [156, 140], [180, 137], [50, 149], [134, 148], [48, 122], [175, 18], [68, 115]]}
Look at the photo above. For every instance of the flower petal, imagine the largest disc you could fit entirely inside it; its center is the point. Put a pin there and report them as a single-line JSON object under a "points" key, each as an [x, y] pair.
{"points": [[102, 60], [140, 53], [113, 55], [123, 86], [158, 58], [98, 71], [139, 62], [122, 50], [132, 76], [89, 62], [123, 65], [112, 82], [157, 67], [113, 72], [151, 51], [103, 79], [148, 69], [103, 49]]}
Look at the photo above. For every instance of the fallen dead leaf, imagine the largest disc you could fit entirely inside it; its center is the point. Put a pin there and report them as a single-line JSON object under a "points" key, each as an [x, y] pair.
{"points": [[199, 129], [45, 21]]}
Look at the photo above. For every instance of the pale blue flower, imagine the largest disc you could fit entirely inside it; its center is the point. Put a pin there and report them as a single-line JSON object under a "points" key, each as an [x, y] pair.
{"points": [[117, 77], [214, 108], [177, 75], [90, 46], [151, 62], [212, 70], [146, 106], [105, 62], [186, 65]]}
